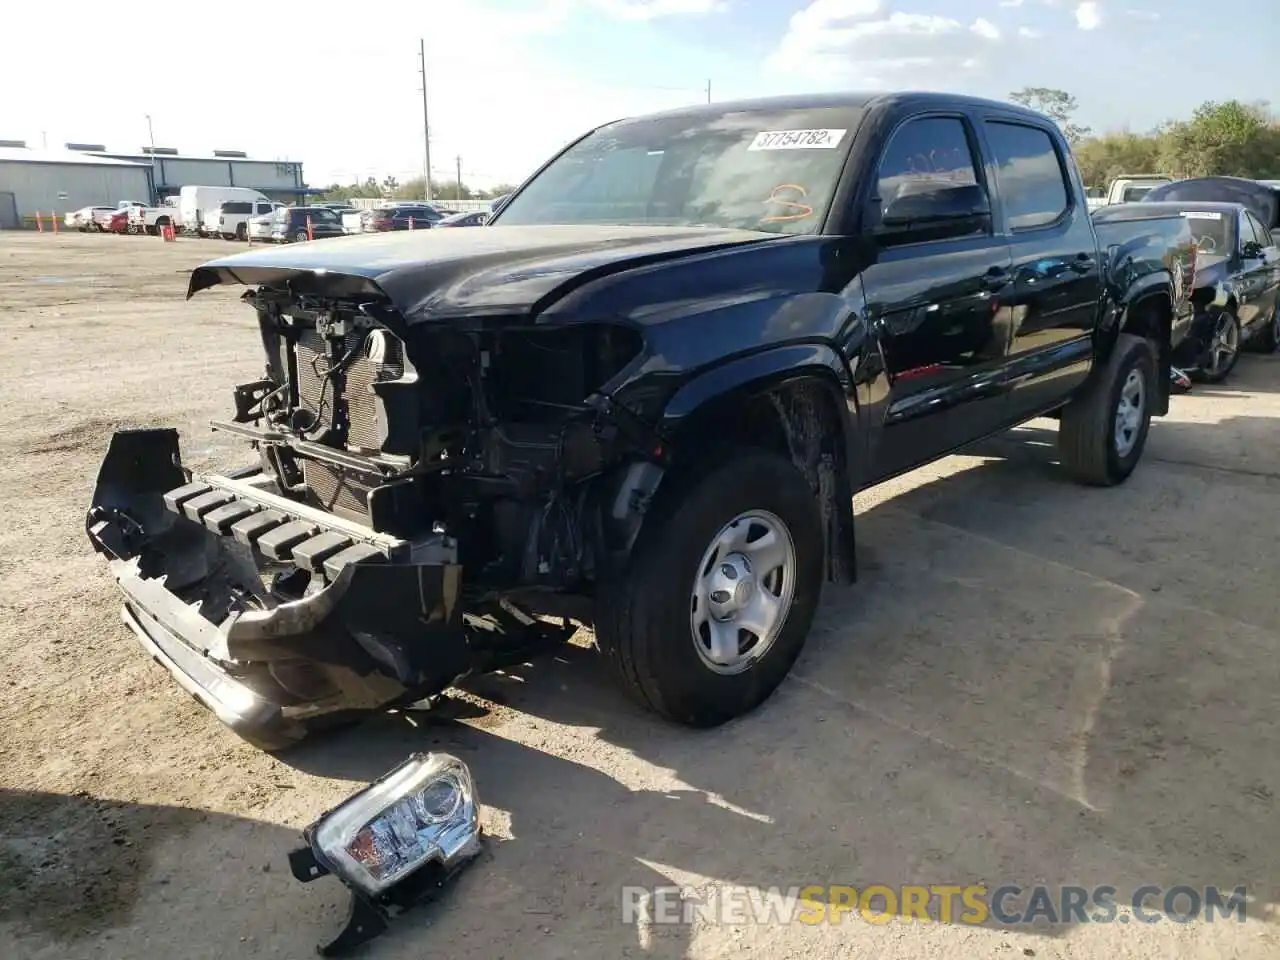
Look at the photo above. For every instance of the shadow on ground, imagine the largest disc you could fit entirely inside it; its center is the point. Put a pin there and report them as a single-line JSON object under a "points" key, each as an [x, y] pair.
{"points": [[1008, 696]]}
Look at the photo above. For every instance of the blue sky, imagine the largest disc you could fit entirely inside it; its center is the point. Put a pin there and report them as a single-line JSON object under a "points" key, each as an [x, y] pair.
{"points": [[336, 85]]}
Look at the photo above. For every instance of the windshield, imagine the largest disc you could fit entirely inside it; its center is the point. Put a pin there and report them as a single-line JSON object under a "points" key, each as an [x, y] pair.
{"points": [[1132, 194], [1214, 232], [774, 171]]}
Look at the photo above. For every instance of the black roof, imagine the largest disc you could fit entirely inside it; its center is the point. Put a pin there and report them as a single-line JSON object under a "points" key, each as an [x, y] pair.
{"points": [[852, 100]]}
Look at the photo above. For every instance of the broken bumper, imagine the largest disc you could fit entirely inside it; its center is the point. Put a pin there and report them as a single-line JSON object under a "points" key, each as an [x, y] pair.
{"points": [[271, 613]]}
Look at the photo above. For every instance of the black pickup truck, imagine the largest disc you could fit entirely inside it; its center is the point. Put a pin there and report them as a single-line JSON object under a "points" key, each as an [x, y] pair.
{"points": [[641, 398]]}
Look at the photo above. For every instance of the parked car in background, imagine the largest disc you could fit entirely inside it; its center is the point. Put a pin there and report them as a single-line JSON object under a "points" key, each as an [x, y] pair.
{"points": [[82, 219], [116, 221], [259, 227], [1236, 289], [1261, 198], [1128, 188], [353, 220], [104, 219], [476, 218], [151, 220], [230, 219], [290, 224], [416, 216]]}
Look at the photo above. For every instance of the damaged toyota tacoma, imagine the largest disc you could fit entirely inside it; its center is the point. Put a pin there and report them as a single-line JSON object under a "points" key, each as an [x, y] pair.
{"points": [[641, 398]]}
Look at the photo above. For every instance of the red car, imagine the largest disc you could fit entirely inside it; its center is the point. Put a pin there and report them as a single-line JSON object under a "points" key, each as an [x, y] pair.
{"points": [[119, 222]]}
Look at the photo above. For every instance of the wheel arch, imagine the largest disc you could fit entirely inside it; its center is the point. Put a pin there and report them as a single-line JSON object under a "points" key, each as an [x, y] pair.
{"points": [[1150, 315], [791, 401]]}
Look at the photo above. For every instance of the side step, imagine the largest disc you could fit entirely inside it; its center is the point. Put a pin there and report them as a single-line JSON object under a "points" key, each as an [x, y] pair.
{"points": [[279, 528]]}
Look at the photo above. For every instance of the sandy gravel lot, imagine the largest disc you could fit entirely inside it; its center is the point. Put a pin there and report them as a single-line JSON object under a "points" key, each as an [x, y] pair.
{"points": [[1032, 683]]}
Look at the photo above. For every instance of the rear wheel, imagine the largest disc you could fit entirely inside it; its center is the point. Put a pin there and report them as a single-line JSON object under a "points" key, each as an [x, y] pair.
{"points": [[1104, 430], [242, 232], [300, 237], [720, 592]]}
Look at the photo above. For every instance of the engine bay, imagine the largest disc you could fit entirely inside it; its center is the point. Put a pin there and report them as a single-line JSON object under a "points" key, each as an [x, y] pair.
{"points": [[485, 433]]}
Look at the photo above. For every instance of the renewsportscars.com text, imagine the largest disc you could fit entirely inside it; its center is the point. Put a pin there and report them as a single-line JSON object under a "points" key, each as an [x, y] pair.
{"points": [[973, 904]]}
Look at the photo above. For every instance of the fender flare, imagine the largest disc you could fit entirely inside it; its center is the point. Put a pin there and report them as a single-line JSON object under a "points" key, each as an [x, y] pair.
{"points": [[824, 458]]}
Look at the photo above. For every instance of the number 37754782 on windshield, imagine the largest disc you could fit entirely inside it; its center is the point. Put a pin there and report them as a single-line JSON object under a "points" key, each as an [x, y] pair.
{"points": [[797, 140]]}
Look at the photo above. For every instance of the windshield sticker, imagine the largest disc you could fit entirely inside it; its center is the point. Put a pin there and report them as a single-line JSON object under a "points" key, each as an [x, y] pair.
{"points": [[792, 209], [1201, 215], [797, 140]]}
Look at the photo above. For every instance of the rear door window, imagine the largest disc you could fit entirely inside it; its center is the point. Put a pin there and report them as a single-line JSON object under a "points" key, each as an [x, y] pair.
{"points": [[1032, 181]]}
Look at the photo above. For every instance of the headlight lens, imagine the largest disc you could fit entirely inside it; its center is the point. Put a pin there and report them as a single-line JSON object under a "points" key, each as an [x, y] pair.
{"points": [[425, 810]]}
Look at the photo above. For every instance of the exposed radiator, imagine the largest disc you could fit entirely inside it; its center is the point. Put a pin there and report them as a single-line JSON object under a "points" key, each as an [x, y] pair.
{"points": [[358, 400], [337, 492]]}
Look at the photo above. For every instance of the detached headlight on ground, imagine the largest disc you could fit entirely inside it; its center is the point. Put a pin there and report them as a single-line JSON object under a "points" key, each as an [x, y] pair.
{"points": [[394, 843]]}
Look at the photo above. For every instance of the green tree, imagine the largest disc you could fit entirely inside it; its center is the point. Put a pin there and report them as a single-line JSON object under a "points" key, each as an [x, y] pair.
{"points": [[1223, 139], [1056, 104]]}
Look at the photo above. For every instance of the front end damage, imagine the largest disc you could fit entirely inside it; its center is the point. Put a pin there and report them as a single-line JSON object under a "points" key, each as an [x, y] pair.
{"points": [[425, 503]]}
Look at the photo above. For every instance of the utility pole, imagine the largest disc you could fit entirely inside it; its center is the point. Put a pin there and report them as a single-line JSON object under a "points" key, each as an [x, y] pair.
{"points": [[426, 123], [151, 135], [458, 189], [708, 90]]}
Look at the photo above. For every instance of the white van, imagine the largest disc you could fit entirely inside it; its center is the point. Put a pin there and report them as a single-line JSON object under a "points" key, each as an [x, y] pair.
{"points": [[196, 203]]}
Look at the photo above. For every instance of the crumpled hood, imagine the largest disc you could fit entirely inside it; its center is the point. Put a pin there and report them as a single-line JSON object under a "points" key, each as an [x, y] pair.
{"points": [[432, 275]]}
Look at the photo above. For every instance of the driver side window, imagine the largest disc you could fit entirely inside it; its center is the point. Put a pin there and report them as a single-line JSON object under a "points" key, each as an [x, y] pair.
{"points": [[924, 152]]}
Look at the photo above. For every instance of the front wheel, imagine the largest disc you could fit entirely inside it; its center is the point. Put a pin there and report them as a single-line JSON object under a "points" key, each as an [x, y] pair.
{"points": [[1224, 349], [300, 237], [720, 591], [1104, 430]]}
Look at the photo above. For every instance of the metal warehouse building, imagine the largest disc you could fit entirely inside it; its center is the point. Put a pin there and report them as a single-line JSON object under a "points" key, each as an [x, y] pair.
{"points": [[278, 179], [49, 181]]}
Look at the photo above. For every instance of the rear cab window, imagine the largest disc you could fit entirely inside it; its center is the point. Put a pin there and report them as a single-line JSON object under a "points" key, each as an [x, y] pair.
{"points": [[1031, 174]]}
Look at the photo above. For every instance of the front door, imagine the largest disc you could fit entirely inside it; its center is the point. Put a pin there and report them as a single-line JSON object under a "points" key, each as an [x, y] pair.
{"points": [[936, 307]]}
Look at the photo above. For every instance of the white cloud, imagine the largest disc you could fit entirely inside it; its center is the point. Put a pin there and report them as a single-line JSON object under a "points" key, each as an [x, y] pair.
{"points": [[985, 28], [1089, 15], [1029, 33], [859, 40], [640, 10]]}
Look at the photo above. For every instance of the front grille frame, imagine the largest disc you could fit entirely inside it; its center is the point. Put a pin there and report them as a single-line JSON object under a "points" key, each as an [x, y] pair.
{"points": [[356, 406]]}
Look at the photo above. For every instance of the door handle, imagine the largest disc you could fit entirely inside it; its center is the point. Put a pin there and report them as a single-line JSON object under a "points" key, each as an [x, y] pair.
{"points": [[1082, 263], [997, 278]]}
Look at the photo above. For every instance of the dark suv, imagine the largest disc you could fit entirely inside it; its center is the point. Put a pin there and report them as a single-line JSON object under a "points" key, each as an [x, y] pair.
{"points": [[406, 217], [291, 224]]}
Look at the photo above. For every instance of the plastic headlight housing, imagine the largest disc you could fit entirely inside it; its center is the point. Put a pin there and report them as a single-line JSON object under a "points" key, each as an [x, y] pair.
{"points": [[424, 811]]}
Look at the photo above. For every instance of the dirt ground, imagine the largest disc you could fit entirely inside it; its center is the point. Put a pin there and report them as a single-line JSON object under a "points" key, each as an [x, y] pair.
{"points": [[1031, 683]]}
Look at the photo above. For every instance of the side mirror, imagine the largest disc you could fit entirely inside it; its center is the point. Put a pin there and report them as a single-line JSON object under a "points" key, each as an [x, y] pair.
{"points": [[1251, 250], [928, 209]]}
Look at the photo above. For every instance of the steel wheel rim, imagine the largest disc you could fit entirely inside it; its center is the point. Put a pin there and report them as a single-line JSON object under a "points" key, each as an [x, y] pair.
{"points": [[742, 592], [1226, 341], [1129, 409]]}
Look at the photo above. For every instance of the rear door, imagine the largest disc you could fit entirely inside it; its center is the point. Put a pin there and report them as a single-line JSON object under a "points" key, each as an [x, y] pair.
{"points": [[935, 305], [1057, 280], [1257, 282]]}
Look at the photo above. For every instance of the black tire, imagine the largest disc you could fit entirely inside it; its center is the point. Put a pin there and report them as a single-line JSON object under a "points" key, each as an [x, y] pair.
{"points": [[242, 232], [1088, 446], [1205, 375], [300, 237], [644, 625]]}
